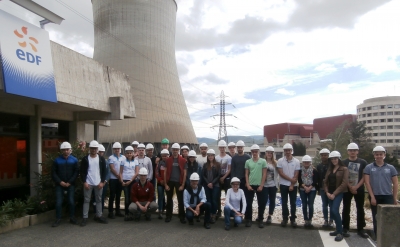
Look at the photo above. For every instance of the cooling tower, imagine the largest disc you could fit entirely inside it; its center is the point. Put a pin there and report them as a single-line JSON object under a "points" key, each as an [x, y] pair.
{"points": [[137, 37]]}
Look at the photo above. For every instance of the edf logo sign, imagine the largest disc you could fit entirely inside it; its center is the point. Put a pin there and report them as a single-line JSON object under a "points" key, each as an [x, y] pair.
{"points": [[25, 52], [32, 41]]}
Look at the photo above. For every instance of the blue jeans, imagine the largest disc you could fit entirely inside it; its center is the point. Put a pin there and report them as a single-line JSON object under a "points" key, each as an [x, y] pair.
{"points": [[335, 204], [307, 202], [127, 193], [212, 197], [271, 195], [230, 213], [161, 198], [325, 204], [292, 197], [60, 197]]}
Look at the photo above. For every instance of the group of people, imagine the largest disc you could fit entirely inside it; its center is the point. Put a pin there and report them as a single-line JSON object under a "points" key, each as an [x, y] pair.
{"points": [[198, 180]]}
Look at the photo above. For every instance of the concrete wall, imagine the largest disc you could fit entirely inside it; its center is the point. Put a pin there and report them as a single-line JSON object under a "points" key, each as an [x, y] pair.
{"points": [[388, 218]]}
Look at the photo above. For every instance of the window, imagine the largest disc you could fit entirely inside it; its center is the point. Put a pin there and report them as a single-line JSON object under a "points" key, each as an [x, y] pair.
{"points": [[397, 113], [396, 133], [397, 126], [383, 127], [390, 120], [363, 109], [397, 119], [397, 106], [368, 121], [397, 141], [375, 134], [389, 106], [369, 115], [390, 134], [368, 108], [382, 134], [383, 106], [382, 113], [376, 141], [382, 120], [375, 107], [390, 141], [363, 115], [382, 141], [375, 127], [376, 120], [375, 114], [390, 126], [390, 113]]}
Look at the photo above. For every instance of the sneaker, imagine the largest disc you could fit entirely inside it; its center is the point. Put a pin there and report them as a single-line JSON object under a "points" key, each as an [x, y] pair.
{"points": [[235, 225], [338, 238], [310, 224], [183, 221], [168, 219], [207, 225], [333, 233], [260, 224], [111, 215], [284, 223], [73, 221], [306, 224], [148, 217], [119, 214], [293, 224], [227, 228], [191, 222], [160, 216], [101, 220], [346, 233], [362, 234], [84, 222], [56, 223], [212, 221], [269, 220], [326, 224], [248, 223]]}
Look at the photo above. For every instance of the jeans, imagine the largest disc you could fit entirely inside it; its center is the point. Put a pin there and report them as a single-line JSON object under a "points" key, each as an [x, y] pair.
{"points": [[60, 197], [359, 198], [225, 186], [206, 208], [228, 212], [212, 197], [127, 193], [271, 195], [161, 197], [381, 199], [261, 196], [325, 204], [87, 194], [334, 205], [307, 202], [115, 193], [170, 202], [292, 197]]}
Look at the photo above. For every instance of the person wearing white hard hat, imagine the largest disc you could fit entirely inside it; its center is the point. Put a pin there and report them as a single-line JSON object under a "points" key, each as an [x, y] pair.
{"points": [[129, 171], [238, 162], [115, 161], [271, 182], [135, 145], [255, 174], [235, 204], [142, 195], [335, 184], [381, 182], [308, 187], [93, 175], [185, 151], [175, 179], [193, 166], [153, 158], [232, 149], [322, 168], [160, 182], [224, 182], [288, 169], [211, 174], [356, 189], [195, 201], [144, 161], [202, 158], [64, 172]]}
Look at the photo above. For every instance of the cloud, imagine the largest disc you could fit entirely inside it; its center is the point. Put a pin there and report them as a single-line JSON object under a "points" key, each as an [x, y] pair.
{"points": [[326, 67], [339, 87], [285, 92], [210, 79]]}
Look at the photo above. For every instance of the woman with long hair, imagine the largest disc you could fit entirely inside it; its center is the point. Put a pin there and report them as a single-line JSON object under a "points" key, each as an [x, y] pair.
{"points": [[271, 182], [211, 175], [335, 184]]}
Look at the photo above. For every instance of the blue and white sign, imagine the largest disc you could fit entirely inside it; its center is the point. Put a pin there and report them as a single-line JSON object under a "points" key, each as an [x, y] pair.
{"points": [[26, 59]]}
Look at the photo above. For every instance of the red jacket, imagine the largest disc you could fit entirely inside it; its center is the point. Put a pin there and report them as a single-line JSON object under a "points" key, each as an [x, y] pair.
{"points": [[181, 161], [142, 194], [160, 173]]}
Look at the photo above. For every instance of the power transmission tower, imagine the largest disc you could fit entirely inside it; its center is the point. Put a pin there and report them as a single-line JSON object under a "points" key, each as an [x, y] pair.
{"points": [[222, 134]]}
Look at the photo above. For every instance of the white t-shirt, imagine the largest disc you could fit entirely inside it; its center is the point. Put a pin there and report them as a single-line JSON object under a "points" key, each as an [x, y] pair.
{"points": [[115, 162], [129, 169], [146, 163], [225, 163], [93, 176], [288, 168], [201, 160]]}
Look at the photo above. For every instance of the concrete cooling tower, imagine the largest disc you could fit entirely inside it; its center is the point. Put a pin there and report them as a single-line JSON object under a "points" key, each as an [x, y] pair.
{"points": [[137, 37]]}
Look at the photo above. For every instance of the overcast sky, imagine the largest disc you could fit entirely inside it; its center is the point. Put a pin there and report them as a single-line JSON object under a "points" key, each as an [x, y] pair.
{"points": [[278, 61]]}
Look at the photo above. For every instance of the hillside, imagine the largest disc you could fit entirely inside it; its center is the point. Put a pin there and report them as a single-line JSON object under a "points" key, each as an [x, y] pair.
{"points": [[256, 139]]}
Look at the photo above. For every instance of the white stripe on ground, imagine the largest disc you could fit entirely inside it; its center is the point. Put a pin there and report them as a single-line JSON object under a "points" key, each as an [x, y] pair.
{"points": [[371, 242], [329, 241]]}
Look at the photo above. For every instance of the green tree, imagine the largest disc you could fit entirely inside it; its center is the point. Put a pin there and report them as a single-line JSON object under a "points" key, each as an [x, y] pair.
{"points": [[361, 135]]}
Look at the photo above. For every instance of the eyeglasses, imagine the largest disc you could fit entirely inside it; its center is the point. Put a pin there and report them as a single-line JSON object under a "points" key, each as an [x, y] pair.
{"points": [[235, 184]]}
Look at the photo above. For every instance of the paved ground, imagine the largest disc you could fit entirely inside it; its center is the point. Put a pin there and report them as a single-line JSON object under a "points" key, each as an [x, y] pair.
{"points": [[159, 233]]}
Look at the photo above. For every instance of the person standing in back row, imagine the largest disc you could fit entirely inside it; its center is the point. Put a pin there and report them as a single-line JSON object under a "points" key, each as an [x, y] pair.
{"points": [[322, 168], [144, 161], [224, 181], [356, 168], [202, 158], [271, 182], [238, 164], [115, 162], [232, 149]]}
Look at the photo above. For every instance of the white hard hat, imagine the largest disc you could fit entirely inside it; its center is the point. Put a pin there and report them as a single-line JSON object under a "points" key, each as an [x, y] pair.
{"points": [[269, 149], [135, 143], [306, 158], [129, 148], [255, 147], [352, 146], [143, 171], [141, 146], [204, 145], [93, 144], [192, 153], [240, 143], [185, 147], [164, 151], [65, 145], [335, 154], [176, 146], [149, 146], [324, 151], [231, 144], [222, 143], [378, 149], [235, 179], [101, 148], [194, 176], [211, 151], [287, 146], [116, 145]]}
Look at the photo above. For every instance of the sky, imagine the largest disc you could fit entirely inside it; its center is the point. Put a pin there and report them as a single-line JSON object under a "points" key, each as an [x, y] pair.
{"points": [[276, 60]]}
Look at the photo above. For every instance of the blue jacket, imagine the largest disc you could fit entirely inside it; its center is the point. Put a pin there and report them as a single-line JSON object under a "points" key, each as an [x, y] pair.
{"points": [[65, 170]]}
